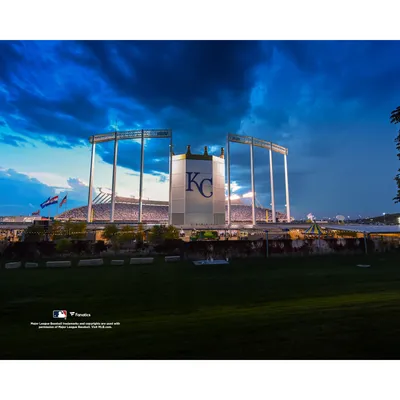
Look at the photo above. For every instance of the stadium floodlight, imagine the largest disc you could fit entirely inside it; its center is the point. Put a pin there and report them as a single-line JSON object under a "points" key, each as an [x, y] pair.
{"points": [[272, 147], [127, 135]]}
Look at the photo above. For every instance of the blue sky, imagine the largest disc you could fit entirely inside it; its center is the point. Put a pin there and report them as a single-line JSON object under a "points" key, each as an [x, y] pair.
{"points": [[328, 102]]}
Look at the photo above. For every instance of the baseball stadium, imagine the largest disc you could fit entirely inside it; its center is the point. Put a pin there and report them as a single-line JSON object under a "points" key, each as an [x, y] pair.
{"points": [[197, 188]]}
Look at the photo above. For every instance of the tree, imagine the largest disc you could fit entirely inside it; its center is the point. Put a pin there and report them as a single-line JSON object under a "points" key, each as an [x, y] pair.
{"points": [[57, 230], [99, 246], [171, 232], [78, 230], [395, 116], [160, 233], [127, 234], [34, 233], [63, 245], [68, 229], [110, 233], [156, 234], [395, 119], [140, 234]]}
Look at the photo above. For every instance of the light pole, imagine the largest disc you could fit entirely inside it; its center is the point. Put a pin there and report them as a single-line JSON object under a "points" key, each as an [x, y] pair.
{"points": [[266, 243], [91, 177], [384, 218]]}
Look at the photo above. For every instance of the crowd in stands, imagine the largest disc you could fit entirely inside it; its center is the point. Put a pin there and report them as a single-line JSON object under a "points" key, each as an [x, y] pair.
{"points": [[122, 212], [158, 213]]}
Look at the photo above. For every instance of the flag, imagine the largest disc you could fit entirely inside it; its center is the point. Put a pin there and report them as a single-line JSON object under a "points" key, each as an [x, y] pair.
{"points": [[63, 201], [49, 201], [36, 213]]}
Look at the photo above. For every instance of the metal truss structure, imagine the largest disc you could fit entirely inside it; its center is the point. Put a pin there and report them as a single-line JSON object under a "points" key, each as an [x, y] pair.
{"points": [[126, 135], [272, 147]]}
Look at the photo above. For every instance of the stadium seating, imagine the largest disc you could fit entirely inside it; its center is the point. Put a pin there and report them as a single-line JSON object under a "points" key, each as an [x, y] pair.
{"points": [[157, 213]]}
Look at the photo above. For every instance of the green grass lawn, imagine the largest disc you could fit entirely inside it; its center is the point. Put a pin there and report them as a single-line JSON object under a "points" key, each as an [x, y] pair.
{"points": [[282, 308]]}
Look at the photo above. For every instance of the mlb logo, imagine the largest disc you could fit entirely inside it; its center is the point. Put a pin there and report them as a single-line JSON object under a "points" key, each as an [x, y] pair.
{"points": [[60, 314]]}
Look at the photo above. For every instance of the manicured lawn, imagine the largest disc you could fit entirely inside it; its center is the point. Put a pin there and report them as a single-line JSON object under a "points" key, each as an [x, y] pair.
{"points": [[285, 308]]}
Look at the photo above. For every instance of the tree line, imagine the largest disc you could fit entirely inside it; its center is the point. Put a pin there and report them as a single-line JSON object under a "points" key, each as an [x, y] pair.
{"points": [[65, 232], [395, 119]]}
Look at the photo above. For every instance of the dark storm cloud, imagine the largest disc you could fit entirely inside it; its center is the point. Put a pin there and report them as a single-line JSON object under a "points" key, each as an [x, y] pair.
{"points": [[197, 88], [9, 58], [12, 140], [315, 97], [175, 73]]}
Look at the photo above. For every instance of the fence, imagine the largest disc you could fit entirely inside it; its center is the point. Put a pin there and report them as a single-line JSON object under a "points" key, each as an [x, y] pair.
{"points": [[282, 247]]}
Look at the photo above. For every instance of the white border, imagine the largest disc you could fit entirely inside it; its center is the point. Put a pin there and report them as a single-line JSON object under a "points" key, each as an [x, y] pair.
{"points": [[76, 19], [206, 19], [192, 380]]}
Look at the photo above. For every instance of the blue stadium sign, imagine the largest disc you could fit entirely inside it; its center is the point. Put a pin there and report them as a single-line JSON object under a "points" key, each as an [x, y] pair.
{"points": [[192, 180]]}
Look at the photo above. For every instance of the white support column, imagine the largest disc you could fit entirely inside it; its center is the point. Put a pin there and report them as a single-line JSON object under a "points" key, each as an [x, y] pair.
{"points": [[91, 176], [253, 188], [228, 170], [271, 172], [141, 179], [287, 189], [114, 178], [170, 182]]}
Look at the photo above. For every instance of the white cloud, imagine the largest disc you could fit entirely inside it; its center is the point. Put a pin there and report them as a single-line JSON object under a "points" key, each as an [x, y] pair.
{"points": [[234, 187], [214, 149], [49, 178]]}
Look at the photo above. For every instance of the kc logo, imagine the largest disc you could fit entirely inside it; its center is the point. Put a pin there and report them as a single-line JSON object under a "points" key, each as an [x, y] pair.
{"points": [[199, 185]]}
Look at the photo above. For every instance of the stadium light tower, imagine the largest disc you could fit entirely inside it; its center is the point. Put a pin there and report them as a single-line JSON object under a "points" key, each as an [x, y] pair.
{"points": [[114, 178], [228, 172], [271, 173], [253, 189], [171, 153], [287, 187], [116, 137], [141, 177], [91, 176], [249, 140]]}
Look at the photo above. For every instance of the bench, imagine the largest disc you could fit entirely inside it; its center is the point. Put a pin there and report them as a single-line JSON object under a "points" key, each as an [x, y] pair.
{"points": [[12, 265], [85, 263], [31, 265], [58, 264], [172, 258], [141, 260], [117, 262]]}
